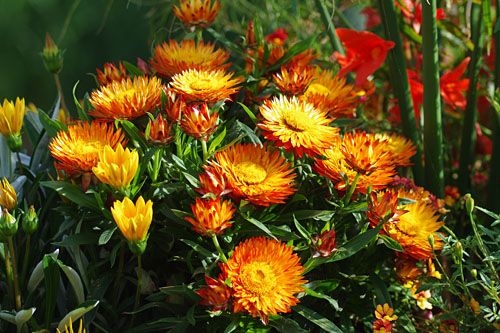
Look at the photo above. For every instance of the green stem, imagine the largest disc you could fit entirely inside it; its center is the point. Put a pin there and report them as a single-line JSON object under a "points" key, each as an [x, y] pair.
{"points": [[466, 159], [330, 27], [433, 133], [204, 149], [401, 86], [217, 246], [8, 272], [139, 284], [116, 284], [10, 163], [344, 20], [20, 164], [178, 140], [59, 89], [352, 187], [17, 294], [157, 164], [26, 257]]}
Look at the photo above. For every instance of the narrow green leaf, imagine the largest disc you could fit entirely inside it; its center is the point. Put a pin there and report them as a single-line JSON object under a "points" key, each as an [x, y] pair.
{"points": [[83, 116], [52, 127], [380, 290], [106, 236], [487, 16], [198, 248], [391, 243], [303, 231], [193, 181], [73, 193], [52, 277], [78, 239], [76, 314], [316, 318], [250, 114], [330, 300], [260, 225], [216, 141], [135, 136], [132, 69]]}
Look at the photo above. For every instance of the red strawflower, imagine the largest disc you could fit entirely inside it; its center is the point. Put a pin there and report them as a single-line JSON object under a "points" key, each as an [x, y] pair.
{"points": [[324, 244], [215, 294]]}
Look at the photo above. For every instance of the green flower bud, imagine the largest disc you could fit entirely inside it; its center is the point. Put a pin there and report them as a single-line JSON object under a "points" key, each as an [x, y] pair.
{"points": [[30, 221], [473, 272], [469, 203], [52, 56], [8, 224], [15, 142], [431, 240], [138, 247], [458, 252]]}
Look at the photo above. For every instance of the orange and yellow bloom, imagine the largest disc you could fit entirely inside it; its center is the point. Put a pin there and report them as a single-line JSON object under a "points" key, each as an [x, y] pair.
{"points": [[116, 167], [197, 13], [294, 80], [211, 216], [133, 220], [216, 294], [265, 275], [11, 117], [8, 196], [111, 73], [198, 122]]}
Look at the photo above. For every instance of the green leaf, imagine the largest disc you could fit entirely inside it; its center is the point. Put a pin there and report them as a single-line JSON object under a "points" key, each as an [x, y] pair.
{"points": [[52, 276], [83, 116], [285, 325], [316, 318], [190, 315], [76, 314], [487, 212], [303, 231], [250, 114], [198, 248], [37, 274], [22, 317], [193, 181], [73, 193], [74, 280], [78, 239], [106, 236], [132, 69], [305, 215], [380, 290], [260, 225], [330, 300], [216, 142], [135, 136], [391, 243], [51, 126], [293, 51], [487, 16]]}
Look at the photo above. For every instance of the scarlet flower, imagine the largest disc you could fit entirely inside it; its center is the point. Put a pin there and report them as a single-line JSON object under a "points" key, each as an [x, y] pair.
{"points": [[452, 87], [383, 206], [159, 131], [215, 294], [212, 182], [324, 244], [211, 217], [111, 73], [277, 37], [372, 17], [413, 13], [365, 53]]}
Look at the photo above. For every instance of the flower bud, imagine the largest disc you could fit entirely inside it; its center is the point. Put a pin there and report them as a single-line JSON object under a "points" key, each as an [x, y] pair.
{"points": [[431, 240], [52, 56], [15, 142], [138, 247], [469, 203], [8, 224], [458, 252], [30, 221], [473, 272]]}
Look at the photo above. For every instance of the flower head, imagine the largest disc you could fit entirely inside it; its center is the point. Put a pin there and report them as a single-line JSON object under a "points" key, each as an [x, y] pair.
{"points": [[324, 244], [159, 131], [111, 73], [402, 149], [211, 216], [198, 122], [8, 196], [11, 117], [296, 125], [383, 206], [216, 294], [127, 99], [277, 37], [116, 167], [172, 58], [52, 55], [78, 148], [365, 53], [254, 174], [212, 182], [294, 80], [133, 220], [197, 13], [205, 86], [385, 316], [452, 87], [264, 275]]}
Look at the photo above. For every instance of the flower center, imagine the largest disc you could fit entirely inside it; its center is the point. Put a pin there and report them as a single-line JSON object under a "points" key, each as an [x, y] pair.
{"points": [[89, 146], [201, 83], [250, 172], [408, 224], [317, 88], [297, 120], [258, 278], [125, 95]]}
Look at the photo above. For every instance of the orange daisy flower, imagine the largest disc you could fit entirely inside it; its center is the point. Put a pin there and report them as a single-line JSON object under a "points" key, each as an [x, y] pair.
{"points": [[211, 217], [127, 99], [172, 58], [255, 174], [294, 80], [331, 93], [197, 13], [402, 149], [111, 73], [265, 275], [78, 148], [199, 123], [296, 125], [205, 86]]}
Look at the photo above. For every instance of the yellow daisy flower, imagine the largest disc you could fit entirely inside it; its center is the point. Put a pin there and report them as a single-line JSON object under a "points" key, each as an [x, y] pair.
{"points": [[11, 117], [205, 86], [297, 125], [265, 275], [172, 58], [197, 13], [8, 196], [254, 174], [116, 167], [127, 99], [133, 220]]}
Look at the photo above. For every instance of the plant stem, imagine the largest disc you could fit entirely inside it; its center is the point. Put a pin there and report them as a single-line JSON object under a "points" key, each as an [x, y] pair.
{"points": [[116, 284], [139, 284], [217, 246], [59, 89], [351, 190], [26, 257], [17, 294], [330, 27], [401, 86], [204, 149], [20, 164], [178, 140], [8, 272], [433, 133]]}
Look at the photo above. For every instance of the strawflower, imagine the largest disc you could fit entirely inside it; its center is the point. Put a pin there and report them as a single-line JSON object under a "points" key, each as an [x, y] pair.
{"points": [[402, 149], [8, 196], [11, 122], [198, 122], [126, 99], [211, 216], [216, 294], [324, 244], [294, 80], [264, 275], [197, 13], [212, 182], [159, 131], [111, 73], [117, 167]]}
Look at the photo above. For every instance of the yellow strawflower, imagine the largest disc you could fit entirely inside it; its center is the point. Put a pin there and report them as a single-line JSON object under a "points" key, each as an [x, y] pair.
{"points": [[11, 122], [116, 167], [8, 197]]}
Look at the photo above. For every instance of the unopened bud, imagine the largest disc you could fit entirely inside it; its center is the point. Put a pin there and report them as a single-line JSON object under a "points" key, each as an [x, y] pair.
{"points": [[138, 247], [15, 142], [431, 240], [52, 56], [469, 203], [473, 272], [8, 224], [30, 221], [458, 253]]}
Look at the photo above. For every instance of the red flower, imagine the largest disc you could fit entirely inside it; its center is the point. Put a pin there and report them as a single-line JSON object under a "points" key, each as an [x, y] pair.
{"points": [[372, 17], [324, 244], [216, 294], [365, 53], [452, 86], [413, 12], [277, 37], [484, 145]]}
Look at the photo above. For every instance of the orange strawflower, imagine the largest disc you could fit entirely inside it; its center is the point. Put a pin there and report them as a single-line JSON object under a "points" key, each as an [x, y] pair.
{"points": [[172, 58], [174, 107], [199, 123], [216, 294], [254, 174], [212, 182], [211, 216], [331, 93], [126, 99], [383, 206], [296, 125], [159, 131], [294, 80], [365, 53], [78, 148], [402, 149], [111, 73], [264, 275], [197, 13], [205, 86]]}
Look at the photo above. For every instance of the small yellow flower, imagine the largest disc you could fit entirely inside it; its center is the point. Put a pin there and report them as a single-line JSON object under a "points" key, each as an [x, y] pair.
{"points": [[116, 167], [11, 116], [70, 328], [8, 197], [133, 219]]}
